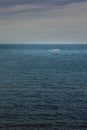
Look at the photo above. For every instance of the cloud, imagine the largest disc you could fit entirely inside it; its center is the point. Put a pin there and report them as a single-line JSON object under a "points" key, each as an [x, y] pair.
{"points": [[43, 20], [12, 7], [7, 3]]}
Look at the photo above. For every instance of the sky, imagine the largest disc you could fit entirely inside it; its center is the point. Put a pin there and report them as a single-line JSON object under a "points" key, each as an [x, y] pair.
{"points": [[26, 21]]}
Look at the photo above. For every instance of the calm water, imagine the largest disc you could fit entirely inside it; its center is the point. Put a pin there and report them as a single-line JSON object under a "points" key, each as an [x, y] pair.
{"points": [[43, 89]]}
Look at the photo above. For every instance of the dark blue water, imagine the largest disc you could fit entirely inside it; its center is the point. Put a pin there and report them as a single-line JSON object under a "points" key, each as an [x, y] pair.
{"points": [[43, 89]]}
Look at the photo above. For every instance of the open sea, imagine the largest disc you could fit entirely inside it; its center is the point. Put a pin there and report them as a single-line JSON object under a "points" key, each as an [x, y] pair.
{"points": [[43, 87]]}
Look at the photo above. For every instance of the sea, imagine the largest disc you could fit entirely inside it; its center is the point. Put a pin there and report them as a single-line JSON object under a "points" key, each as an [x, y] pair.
{"points": [[43, 86]]}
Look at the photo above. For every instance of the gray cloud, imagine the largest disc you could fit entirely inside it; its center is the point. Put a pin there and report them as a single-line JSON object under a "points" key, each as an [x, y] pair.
{"points": [[12, 7], [7, 3], [43, 20]]}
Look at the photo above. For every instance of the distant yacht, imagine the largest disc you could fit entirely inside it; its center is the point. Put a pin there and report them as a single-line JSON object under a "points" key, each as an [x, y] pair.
{"points": [[56, 50]]}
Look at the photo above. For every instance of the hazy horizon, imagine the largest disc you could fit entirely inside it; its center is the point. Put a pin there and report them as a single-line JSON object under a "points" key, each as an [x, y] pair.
{"points": [[37, 43]]}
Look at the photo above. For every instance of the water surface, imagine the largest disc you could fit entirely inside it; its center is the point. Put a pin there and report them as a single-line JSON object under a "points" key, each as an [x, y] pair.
{"points": [[41, 89]]}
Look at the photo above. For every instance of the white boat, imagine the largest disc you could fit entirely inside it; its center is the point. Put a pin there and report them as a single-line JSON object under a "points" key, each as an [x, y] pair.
{"points": [[56, 50]]}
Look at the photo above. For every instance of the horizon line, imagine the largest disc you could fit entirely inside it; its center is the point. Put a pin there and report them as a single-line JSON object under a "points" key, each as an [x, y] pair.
{"points": [[43, 42]]}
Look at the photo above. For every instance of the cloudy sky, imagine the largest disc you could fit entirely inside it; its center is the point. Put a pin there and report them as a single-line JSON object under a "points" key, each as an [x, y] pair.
{"points": [[23, 21]]}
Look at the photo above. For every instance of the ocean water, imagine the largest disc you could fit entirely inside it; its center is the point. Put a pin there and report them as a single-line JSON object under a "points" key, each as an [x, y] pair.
{"points": [[42, 88]]}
